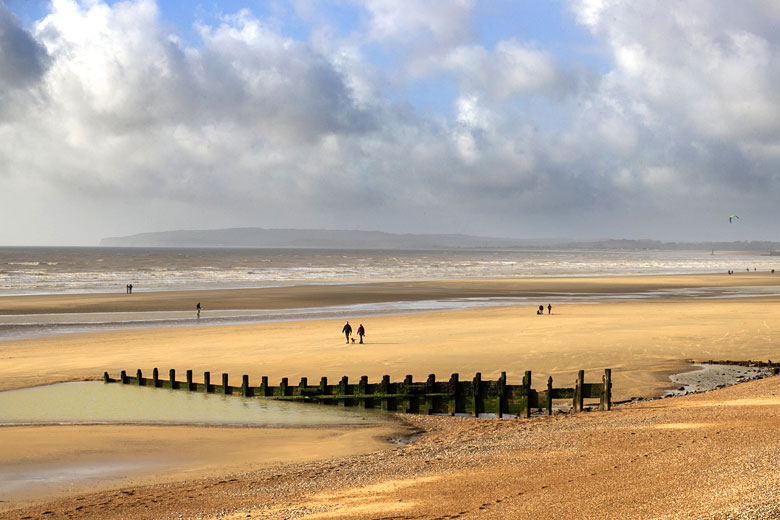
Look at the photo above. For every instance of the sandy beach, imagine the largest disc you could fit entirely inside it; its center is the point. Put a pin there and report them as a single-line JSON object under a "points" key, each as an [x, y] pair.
{"points": [[644, 340]]}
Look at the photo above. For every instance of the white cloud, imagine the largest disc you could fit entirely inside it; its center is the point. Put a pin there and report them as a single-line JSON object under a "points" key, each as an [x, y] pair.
{"points": [[104, 110], [510, 70], [442, 23]]}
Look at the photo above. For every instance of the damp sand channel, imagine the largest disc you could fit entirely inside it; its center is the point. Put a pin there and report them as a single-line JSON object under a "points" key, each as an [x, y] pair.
{"points": [[67, 438]]}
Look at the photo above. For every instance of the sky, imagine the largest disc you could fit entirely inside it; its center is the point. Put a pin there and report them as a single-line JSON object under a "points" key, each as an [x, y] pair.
{"points": [[526, 119]]}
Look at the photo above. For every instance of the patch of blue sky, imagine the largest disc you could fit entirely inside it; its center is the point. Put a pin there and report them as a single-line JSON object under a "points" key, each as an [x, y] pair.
{"points": [[431, 96], [547, 26], [28, 11]]}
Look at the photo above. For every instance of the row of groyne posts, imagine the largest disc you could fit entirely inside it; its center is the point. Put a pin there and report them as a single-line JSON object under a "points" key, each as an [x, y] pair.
{"points": [[451, 397]]}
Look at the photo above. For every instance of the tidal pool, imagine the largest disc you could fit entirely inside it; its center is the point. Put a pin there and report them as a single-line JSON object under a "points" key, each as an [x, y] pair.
{"points": [[101, 403]]}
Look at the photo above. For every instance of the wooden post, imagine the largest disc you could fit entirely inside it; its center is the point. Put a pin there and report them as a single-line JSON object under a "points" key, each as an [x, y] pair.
{"points": [[343, 386], [283, 387], [106, 379], [123, 377], [324, 387], [578, 391], [384, 388], [189, 380], [501, 399], [264, 386], [429, 402], [156, 378], [475, 390], [527, 385], [453, 391], [607, 392], [139, 377], [549, 395], [245, 385], [172, 377], [362, 388], [302, 386], [207, 382], [412, 404], [225, 386]]}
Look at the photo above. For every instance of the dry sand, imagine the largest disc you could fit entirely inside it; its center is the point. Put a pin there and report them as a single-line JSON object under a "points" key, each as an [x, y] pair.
{"points": [[460, 464]]}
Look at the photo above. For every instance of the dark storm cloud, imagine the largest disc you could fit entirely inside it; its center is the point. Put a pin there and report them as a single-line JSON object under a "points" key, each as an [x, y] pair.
{"points": [[22, 59]]}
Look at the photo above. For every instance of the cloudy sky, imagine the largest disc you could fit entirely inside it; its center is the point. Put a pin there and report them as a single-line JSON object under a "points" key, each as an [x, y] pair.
{"points": [[570, 118]]}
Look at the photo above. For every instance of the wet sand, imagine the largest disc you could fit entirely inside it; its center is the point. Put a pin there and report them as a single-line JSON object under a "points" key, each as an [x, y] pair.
{"points": [[38, 462], [642, 341]]}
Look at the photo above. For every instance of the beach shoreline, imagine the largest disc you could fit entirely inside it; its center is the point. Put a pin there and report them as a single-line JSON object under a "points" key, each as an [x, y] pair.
{"points": [[643, 340]]}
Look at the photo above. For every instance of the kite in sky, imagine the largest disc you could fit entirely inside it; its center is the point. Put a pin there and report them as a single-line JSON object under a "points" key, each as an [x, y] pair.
{"points": [[731, 217]]}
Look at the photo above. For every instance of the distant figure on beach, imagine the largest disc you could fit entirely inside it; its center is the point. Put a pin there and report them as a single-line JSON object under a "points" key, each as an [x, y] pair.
{"points": [[130, 288], [361, 332], [197, 308], [347, 330], [549, 308]]}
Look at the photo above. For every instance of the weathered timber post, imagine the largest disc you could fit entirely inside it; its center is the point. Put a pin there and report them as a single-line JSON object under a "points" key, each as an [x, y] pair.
{"points": [[189, 380], [362, 387], [475, 390], [501, 398], [579, 391], [245, 391], [264, 386], [452, 405], [106, 379], [343, 386], [172, 377], [527, 390], [549, 395], [412, 402], [139, 377], [225, 386], [302, 386], [283, 387], [323, 387], [606, 391], [384, 388], [123, 377], [156, 378], [207, 382], [429, 404]]}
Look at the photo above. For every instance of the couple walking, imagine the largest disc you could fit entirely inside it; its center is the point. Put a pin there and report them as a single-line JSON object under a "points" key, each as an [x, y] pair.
{"points": [[347, 330]]}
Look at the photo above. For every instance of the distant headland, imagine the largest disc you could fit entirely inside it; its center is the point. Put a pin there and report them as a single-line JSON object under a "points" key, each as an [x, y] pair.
{"points": [[255, 237]]}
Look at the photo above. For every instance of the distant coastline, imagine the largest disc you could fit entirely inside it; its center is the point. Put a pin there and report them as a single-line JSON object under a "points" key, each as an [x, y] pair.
{"points": [[254, 237]]}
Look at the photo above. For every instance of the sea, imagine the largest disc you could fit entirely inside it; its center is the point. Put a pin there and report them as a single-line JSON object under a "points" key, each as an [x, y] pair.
{"points": [[74, 270]]}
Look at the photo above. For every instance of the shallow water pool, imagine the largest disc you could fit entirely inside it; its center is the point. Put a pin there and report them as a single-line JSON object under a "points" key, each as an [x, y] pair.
{"points": [[100, 403]]}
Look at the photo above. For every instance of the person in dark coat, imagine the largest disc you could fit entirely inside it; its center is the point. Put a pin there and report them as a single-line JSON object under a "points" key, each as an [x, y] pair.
{"points": [[347, 330], [549, 308], [361, 332]]}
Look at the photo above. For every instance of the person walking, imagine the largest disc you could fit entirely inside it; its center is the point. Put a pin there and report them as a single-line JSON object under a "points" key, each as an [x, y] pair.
{"points": [[347, 330], [361, 332], [549, 308], [197, 308]]}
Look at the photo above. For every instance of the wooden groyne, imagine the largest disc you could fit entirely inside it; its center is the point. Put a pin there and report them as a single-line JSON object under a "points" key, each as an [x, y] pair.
{"points": [[451, 397]]}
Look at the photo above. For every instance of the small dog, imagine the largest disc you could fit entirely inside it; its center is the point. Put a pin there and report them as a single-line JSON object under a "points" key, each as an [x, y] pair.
{"points": [[353, 340]]}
